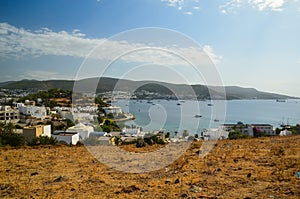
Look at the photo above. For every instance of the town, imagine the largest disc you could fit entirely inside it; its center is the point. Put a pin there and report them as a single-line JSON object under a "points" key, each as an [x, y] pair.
{"points": [[37, 117]]}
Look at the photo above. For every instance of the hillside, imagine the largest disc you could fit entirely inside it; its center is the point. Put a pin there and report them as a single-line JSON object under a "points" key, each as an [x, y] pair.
{"points": [[108, 84], [249, 168]]}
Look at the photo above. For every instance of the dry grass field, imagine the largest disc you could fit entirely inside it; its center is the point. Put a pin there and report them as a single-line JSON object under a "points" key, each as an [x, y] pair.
{"points": [[250, 168]]}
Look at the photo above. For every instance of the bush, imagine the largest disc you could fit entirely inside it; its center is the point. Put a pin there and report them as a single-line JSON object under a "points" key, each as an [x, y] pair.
{"points": [[140, 143], [233, 135], [11, 139], [43, 140], [154, 139]]}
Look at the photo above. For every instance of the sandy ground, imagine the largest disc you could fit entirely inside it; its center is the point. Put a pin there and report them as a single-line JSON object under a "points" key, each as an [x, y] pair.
{"points": [[251, 168]]}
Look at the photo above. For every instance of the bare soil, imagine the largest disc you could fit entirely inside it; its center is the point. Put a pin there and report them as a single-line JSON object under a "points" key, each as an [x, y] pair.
{"points": [[249, 168]]}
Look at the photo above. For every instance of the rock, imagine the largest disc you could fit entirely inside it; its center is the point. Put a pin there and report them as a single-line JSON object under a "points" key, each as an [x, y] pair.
{"points": [[249, 175], [130, 189], [184, 195], [61, 178], [168, 181], [34, 173], [73, 189], [177, 181], [195, 189]]}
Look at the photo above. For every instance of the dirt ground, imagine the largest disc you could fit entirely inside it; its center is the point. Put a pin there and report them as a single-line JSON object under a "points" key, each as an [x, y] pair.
{"points": [[249, 168]]}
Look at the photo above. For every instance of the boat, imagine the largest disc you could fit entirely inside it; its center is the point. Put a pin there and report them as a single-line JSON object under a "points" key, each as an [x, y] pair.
{"points": [[280, 100], [216, 120], [209, 104], [178, 104], [198, 116]]}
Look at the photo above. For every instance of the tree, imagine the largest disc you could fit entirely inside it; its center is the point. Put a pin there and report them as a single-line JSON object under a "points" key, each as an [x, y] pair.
{"points": [[175, 133], [70, 122], [140, 142], [185, 133], [8, 135], [167, 135], [117, 140]]}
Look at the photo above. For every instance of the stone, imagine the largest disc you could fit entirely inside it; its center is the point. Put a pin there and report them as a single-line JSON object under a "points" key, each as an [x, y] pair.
{"points": [[195, 189], [61, 178], [34, 173]]}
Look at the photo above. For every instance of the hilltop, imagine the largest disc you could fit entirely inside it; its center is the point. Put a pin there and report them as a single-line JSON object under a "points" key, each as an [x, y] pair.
{"points": [[163, 89]]}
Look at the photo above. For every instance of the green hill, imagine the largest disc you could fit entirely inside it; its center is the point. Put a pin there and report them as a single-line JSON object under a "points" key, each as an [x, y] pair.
{"points": [[162, 88]]}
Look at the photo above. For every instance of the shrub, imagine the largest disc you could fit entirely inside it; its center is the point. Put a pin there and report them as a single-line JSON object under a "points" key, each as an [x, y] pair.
{"points": [[11, 139], [43, 140], [140, 143], [154, 139], [233, 135]]}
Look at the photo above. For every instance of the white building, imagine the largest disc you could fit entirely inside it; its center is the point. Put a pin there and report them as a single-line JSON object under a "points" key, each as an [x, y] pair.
{"points": [[67, 137], [34, 111], [47, 130], [112, 109], [250, 129], [31, 132], [8, 114], [215, 134], [83, 130], [131, 131], [285, 133]]}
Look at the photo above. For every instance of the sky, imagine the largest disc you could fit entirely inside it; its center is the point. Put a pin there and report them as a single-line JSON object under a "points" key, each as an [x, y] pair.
{"points": [[248, 43]]}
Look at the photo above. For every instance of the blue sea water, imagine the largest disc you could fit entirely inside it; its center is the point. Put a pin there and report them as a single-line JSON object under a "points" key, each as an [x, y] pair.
{"points": [[169, 115]]}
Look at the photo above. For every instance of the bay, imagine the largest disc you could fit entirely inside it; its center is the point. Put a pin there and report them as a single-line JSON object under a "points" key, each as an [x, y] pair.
{"points": [[180, 115]]}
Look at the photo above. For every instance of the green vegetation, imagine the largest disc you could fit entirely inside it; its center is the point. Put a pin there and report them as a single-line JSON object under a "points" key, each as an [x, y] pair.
{"points": [[154, 139], [140, 143], [48, 96], [43, 140], [9, 137], [233, 135]]}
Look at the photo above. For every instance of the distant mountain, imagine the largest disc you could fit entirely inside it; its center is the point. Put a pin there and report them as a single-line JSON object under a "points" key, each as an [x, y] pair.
{"points": [[161, 88]]}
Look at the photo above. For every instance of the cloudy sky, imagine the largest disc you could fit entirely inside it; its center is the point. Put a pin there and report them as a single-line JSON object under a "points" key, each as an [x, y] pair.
{"points": [[251, 43]]}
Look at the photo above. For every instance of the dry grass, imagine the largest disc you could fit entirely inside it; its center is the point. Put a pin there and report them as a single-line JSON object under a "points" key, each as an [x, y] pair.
{"points": [[253, 168]]}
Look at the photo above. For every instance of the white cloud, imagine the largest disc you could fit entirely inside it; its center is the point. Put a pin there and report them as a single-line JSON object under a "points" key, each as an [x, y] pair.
{"points": [[184, 5], [18, 42], [41, 75], [174, 3], [261, 5], [275, 5], [188, 13]]}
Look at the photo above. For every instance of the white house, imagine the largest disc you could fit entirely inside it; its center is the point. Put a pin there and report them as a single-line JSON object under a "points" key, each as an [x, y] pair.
{"points": [[34, 111], [83, 130], [285, 133], [47, 130], [68, 137], [112, 109], [215, 134], [131, 131]]}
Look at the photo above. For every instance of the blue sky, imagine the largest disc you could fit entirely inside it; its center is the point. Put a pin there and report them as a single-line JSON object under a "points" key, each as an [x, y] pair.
{"points": [[252, 43]]}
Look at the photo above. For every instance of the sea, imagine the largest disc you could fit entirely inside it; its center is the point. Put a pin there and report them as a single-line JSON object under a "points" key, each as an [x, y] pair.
{"points": [[195, 116]]}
